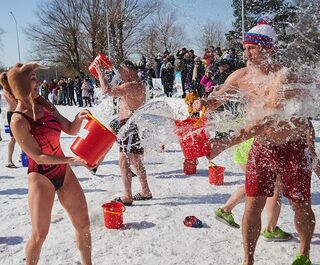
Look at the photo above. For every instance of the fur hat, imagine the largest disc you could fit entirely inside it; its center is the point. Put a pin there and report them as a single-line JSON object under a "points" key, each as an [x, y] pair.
{"points": [[263, 34], [19, 79]]}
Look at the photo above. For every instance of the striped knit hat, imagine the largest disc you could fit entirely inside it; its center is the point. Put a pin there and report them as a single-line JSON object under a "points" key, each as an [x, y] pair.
{"points": [[263, 34]]}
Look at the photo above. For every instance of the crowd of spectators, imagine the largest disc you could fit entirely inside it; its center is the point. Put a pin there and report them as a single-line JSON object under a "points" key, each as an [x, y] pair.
{"points": [[67, 91], [201, 74]]}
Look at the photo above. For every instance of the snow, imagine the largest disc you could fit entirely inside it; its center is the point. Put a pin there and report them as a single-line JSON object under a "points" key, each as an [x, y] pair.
{"points": [[153, 233]]}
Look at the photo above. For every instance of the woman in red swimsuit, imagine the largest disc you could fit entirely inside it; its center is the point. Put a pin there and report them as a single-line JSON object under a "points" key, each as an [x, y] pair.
{"points": [[36, 126]]}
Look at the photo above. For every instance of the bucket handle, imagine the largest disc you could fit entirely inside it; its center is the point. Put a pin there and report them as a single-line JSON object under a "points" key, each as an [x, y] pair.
{"points": [[108, 211], [90, 116]]}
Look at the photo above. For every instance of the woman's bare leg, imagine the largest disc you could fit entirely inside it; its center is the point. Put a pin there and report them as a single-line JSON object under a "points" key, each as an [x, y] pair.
{"points": [[73, 200], [40, 198], [11, 145]]}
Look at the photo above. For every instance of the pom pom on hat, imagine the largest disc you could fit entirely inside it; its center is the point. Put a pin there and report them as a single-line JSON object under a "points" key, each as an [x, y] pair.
{"points": [[263, 34], [264, 20]]}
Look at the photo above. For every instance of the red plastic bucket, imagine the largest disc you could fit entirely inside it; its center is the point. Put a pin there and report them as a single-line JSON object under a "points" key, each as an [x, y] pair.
{"points": [[193, 139], [190, 166], [216, 175], [104, 62], [113, 214], [95, 144]]}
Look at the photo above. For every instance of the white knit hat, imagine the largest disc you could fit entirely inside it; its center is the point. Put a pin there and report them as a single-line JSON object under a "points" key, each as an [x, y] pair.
{"points": [[263, 34]]}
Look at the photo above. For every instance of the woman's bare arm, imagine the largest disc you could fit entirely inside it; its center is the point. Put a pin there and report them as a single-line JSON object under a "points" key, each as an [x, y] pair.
{"points": [[71, 127], [21, 131]]}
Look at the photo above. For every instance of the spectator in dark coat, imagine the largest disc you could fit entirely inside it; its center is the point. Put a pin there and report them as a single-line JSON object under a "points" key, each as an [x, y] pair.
{"points": [[223, 72], [77, 86], [158, 60], [167, 77], [197, 74], [70, 91]]}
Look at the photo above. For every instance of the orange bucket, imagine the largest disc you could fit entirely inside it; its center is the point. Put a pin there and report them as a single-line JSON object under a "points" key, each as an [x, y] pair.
{"points": [[193, 139], [104, 62], [190, 166], [113, 214], [216, 175], [92, 146]]}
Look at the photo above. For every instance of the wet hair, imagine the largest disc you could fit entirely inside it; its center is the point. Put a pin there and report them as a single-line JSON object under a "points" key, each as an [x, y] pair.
{"points": [[128, 64]]}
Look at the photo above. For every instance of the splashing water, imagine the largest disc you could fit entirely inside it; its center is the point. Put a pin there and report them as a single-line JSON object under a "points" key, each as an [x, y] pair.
{"points": [[155, 121]]}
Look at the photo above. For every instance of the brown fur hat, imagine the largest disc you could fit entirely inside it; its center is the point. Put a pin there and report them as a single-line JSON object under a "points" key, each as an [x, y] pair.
{"points": [[19, 79]]}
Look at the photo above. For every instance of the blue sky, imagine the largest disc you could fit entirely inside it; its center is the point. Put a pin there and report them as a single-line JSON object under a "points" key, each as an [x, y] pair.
{"points": [[190, 13]]}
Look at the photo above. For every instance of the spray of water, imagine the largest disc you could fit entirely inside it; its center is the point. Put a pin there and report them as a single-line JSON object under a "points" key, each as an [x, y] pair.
{"points": [[155, 119]]}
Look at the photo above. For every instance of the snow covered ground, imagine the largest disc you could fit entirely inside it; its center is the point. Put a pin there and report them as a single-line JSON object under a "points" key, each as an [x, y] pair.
{"points": [[153, 233]]}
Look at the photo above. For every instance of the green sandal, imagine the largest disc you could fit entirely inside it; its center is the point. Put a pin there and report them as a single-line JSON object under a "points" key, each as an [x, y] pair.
{"points": [[301, 260], [226, 218], [276, 235]]}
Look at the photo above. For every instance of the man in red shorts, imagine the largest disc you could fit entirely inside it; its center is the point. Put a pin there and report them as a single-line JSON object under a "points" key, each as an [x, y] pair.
{"points": [[280, 146]]}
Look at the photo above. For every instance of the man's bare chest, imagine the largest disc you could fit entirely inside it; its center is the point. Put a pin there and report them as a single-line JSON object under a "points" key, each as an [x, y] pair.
{"points": [[259, 87]]}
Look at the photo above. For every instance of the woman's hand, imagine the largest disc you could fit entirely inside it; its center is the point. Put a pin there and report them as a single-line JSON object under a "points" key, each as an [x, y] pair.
{"points": [[83, 114], [77, 160]]}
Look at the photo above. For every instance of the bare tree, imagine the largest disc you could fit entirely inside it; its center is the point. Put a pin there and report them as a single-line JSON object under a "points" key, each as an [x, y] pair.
{"points": [[71, 32], [57, 37], [212, 34], [127, 19], [303, 47], [150, 44], [162, 34], [94, 28]]}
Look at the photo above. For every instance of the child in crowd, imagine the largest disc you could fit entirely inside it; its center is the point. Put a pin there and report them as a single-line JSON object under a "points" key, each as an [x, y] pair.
{"points": [[191, 96], [207, 82]]}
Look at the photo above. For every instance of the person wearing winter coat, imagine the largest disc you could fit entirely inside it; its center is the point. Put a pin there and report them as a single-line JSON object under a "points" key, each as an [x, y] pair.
{"points": [[85, 93], [167, 77], [207, 83]]}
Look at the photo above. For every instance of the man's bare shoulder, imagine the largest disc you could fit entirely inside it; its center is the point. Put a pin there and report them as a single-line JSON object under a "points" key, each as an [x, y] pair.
{"points": [[237, 75]]}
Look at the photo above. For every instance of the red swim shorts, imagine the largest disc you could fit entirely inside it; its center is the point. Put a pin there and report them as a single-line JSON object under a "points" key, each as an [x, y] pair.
{"points": [[289, 161]]}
